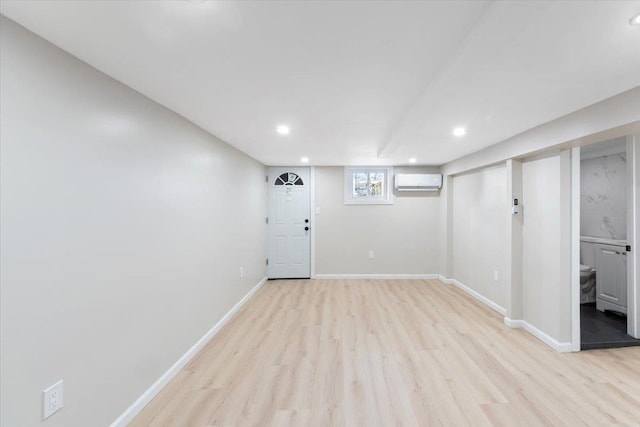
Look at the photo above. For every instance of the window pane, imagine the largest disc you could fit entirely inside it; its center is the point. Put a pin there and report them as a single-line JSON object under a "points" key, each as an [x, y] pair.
{"points": [[359, 184], [376, 184]]}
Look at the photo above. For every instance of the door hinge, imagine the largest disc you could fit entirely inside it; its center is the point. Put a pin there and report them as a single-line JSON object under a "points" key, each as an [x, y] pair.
{"points": [[266, 178], [267, 261], [628, 248], [267, 220]]}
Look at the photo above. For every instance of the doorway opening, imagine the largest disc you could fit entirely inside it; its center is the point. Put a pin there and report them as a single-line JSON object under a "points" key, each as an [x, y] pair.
{"points": [[605, 252]]}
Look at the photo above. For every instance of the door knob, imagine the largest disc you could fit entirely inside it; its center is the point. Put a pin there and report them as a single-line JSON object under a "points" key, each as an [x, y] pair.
{"points": [[306, 221], [306, 229]]}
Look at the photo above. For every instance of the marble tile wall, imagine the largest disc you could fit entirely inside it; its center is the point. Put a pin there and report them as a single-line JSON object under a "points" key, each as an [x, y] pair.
{"points": [[603, 197]]}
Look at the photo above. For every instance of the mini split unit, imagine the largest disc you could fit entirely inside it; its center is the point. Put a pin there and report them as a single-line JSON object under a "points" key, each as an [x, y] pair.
{"points": [[418, 182]]}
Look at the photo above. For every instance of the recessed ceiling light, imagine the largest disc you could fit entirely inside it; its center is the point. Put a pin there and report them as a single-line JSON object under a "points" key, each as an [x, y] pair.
{"points": [[412, 160], [304, 160], [459, 131], [635, 20], [283, 129]]}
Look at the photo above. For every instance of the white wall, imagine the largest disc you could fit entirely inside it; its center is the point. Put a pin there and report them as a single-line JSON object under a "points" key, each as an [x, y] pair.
{"points": [[546, 303], [480, 231], [403, 236], [546, 245], [588, 254], [123, 227]]}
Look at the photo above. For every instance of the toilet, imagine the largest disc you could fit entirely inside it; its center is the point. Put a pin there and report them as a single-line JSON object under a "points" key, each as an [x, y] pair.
{"points": [[587, 284]]}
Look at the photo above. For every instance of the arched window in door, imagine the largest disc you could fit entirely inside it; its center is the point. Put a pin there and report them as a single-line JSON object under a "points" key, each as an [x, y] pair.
{"points": [[288, 178]]}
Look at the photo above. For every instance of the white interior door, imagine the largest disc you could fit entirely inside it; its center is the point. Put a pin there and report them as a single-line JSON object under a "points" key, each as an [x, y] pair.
{"points": [[289, 223]]}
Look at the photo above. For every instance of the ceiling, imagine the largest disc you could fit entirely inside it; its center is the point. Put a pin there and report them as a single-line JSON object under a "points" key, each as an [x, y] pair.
{"points": [[358, 82]]}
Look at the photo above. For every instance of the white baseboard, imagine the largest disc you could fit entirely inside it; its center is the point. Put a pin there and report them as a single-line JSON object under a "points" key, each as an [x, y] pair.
{"points": [[377, 276], [445, 280], [561, 347], [513, 323], [146, 397], [486, 301]]}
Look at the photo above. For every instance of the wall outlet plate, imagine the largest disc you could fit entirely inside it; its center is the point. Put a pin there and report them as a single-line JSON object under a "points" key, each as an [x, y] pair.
{"points": [[52, 399]]}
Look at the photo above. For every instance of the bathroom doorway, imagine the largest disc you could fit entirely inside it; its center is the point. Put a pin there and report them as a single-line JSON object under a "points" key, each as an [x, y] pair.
{"points": [[607, 227]]}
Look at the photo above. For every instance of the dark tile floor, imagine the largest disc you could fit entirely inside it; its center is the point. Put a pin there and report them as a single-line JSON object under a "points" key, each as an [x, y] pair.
{"points": [[603, 330]]}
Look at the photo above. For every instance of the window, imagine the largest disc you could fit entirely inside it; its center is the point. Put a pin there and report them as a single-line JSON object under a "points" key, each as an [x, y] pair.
{"points": [[288, 178], [367, 185]]}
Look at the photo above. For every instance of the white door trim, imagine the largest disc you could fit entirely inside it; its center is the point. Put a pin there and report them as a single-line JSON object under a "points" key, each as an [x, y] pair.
{"points": [[575, 249], [633, 235], [312, 218]]}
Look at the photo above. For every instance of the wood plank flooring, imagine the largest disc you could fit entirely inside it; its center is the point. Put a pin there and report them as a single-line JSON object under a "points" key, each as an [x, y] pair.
{"points": [[390, 353]]}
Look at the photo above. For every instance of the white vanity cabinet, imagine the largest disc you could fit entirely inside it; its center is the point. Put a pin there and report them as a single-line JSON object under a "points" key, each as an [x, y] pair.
{"points": [[611, 278]]}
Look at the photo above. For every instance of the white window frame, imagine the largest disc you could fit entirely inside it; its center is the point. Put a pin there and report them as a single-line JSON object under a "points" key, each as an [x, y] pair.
{"points": [[385, 199]]}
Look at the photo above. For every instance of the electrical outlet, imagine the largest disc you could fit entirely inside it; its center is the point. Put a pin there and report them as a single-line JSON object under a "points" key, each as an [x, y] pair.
{"points": [[241, 272], [52, 399], [371, 255]]}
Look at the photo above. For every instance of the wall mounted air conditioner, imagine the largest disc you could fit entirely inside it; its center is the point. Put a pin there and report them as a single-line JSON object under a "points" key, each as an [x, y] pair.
{"points": [[418, 182]]}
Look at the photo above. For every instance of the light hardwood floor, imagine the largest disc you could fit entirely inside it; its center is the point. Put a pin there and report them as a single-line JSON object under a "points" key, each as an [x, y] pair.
{"points": [[390, 353]]}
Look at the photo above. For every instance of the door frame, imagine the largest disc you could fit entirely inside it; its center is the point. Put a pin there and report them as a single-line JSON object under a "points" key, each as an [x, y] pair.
{"points": [[633, 235], [633, 239], [312, 219], [576, 341]]}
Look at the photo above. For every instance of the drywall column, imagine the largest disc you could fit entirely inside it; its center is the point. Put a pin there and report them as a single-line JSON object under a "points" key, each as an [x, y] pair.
{"points": [[445, 254], [513, 274], [565, 294], [633, 236], [546, 249]]}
